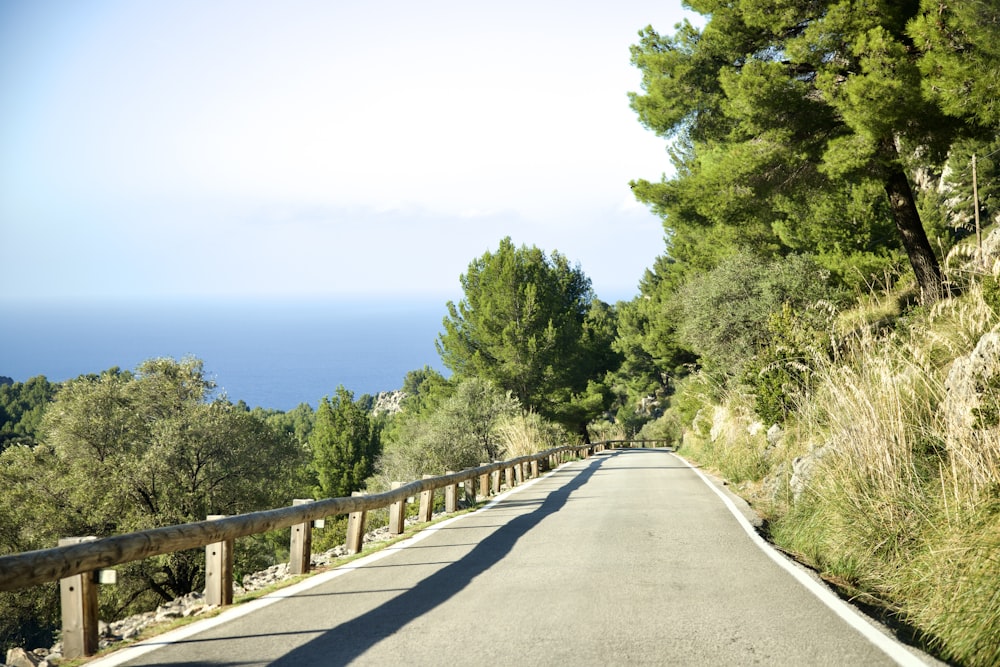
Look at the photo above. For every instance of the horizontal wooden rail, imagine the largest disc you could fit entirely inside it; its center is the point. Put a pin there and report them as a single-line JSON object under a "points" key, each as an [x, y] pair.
{"points": [[76, 562], [37, 567]]}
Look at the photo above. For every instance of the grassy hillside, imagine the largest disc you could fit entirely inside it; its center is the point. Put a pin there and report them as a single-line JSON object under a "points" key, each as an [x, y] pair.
{"points": [[886, 475]]}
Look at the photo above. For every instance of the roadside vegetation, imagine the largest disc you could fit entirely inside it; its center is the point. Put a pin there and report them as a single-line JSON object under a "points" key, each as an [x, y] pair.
{"points": [[832, 268], [822, 329], [885, 474]]}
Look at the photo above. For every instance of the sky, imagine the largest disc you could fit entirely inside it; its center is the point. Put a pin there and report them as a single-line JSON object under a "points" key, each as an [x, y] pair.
{"points": [[299, 148]]}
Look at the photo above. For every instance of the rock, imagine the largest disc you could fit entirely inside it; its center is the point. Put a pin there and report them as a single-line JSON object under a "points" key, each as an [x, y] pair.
{"points": [[755, 428], [649, 406], [718, 423], [970, 378], [389, 402], [774, 435], [991, 243], [772, 483], [802, 470], [18, 657], [194, 610]]}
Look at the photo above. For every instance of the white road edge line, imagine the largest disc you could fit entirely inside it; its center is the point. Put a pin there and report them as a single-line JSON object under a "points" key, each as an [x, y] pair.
{"points": [[845, 611], [133, 651]]}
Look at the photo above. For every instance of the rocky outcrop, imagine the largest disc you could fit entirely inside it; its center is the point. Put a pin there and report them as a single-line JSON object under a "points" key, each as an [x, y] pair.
{"points": [[389, 402], [973, 379], [803, 468]]}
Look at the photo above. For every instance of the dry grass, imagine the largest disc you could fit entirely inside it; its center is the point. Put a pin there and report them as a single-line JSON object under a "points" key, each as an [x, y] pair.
{"points": [[726, 441], [904, 503], [527, 433]]}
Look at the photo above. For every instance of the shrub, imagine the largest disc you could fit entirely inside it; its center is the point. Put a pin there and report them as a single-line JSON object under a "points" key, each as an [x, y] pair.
{"points": [[461, 432], [797, 340], [724, 314]]}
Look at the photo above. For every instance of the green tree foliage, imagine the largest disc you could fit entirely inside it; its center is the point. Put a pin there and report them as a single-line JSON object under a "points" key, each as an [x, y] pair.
{"points": [[124, 451], [778, 106], [425, 389], [653, 355], [345, 444], [723, 315], [297, 422], [960, 45], [797, 338], [22, 405], [159, 450], [529, 324], [460, 431], [957, 186], [592, 369]]}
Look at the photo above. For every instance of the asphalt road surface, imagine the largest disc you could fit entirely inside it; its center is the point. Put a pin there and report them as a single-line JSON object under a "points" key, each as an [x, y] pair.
{"points": [[627, 558]]}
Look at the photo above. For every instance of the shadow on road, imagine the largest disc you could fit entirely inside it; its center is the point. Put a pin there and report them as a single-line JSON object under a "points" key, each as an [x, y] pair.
{"points": [[349, 640]]}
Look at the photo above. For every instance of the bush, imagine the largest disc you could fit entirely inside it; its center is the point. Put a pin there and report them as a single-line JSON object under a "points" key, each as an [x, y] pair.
{"points": [[724, 314], [797, 341], [461, 432]]}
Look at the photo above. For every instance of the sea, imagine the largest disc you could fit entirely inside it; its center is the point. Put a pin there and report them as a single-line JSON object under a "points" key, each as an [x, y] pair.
{"points": [[269, 353]]}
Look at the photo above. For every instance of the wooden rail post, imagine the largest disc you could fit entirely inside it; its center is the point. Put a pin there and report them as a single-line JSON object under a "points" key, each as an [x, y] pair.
{"points": [[470, 490], [450, 495], [534, 468], [508, 477], [300, 551], [484, 483], [356, 529], [78, 597], [219, 570], [495, 481], [426, 512], [397, 514]]}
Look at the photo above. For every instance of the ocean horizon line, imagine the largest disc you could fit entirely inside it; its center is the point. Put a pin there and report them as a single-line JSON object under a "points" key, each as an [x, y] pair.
{"points": [[268, 354]]}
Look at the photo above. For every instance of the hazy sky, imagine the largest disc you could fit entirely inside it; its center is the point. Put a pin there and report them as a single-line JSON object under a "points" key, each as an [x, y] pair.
{"points": [[327, 148]]}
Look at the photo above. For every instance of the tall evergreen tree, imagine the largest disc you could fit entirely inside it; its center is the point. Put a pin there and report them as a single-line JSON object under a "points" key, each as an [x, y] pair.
{"points": [[22, 405], [345, 444], [959, 41], [525, 324], [778, 102]]}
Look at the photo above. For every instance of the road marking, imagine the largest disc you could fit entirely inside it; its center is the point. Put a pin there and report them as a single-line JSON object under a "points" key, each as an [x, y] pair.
{"points": [[849, 614]]}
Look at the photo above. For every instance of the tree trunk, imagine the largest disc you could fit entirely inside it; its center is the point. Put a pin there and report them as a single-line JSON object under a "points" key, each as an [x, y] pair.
{"points": [[911, 230]]}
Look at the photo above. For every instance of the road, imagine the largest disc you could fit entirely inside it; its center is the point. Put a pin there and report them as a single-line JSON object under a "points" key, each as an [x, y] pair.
{"points": [[628, 557]]}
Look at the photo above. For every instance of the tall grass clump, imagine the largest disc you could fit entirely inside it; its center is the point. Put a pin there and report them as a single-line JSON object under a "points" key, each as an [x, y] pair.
{"points": [[867, 501], [526, 433], [720, 438], [904, 501], [953, 592]]}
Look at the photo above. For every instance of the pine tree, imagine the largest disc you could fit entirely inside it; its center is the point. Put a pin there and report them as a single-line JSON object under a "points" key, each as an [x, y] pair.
{"points": [[345, 444], [777, 104]]}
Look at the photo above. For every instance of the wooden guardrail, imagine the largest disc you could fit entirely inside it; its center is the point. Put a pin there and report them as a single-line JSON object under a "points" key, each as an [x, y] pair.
{"points": [[77, 561]]}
